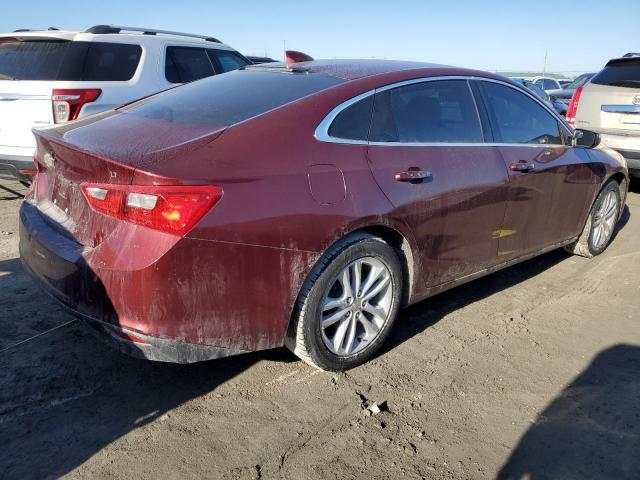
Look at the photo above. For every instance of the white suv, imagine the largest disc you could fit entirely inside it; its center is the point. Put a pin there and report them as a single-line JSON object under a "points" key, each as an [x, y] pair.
{"points": [[610, 106], [57, 76]]}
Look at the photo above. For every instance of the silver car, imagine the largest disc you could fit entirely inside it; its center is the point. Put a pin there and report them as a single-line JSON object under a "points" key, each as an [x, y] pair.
{"points": [[610, 106]]}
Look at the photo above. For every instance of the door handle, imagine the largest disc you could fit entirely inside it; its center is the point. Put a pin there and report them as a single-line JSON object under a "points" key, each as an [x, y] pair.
{"points": [[413, 176], [523, 166]]}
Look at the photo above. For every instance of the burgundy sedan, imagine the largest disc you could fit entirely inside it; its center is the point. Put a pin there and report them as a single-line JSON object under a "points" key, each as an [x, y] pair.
{"points": [[304, 205]]}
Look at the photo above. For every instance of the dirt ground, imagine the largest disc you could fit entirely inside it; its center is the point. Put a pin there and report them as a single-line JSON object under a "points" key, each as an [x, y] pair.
{"points": [[532, 372]]}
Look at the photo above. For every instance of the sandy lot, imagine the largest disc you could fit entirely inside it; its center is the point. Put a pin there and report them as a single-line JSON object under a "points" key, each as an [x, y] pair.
{"points": [[532, 371]]}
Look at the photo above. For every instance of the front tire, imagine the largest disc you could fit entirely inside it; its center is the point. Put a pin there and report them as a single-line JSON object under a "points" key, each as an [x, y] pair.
{"points": [[601, 223], [347, 306]]}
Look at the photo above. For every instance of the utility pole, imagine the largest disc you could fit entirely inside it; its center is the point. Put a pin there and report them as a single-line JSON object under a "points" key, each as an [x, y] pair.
{"points": [[544, 68], [284, 50]]}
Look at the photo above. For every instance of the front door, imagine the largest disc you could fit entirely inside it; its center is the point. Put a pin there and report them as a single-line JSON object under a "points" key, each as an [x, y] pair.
{"points": [[549, 181]]}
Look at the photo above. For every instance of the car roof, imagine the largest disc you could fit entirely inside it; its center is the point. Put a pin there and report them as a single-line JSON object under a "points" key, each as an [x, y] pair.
{"points": [[351, 69], [124, 37]]}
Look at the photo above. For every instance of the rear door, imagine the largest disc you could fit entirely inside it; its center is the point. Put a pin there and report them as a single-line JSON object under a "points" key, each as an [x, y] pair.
{"points": [[550, 182], [426, 153]]}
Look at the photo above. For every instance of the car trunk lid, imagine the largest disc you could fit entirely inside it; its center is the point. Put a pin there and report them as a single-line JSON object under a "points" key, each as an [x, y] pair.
{"points": [[109, 154], [609, 109]]}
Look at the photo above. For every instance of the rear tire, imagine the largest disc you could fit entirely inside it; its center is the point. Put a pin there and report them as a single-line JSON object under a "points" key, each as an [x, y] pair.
{"points": [[348, 304], [601, 223]]}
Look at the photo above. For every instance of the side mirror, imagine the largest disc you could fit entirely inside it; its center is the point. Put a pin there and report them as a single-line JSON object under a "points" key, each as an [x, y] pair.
{"points": [[585, 139]]}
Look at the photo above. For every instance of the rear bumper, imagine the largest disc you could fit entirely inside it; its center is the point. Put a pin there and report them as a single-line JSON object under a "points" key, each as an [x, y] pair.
{"points": [[56, 263], [11, 166], [628, 147], [633, 161], [189, 299]]}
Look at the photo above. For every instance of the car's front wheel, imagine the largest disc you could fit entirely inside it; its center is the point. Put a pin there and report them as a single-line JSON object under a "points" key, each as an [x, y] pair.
{"points": [[348, 304], [598, 231]]}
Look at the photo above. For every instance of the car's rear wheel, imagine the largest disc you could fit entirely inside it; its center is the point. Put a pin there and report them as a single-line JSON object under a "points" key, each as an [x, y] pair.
{"points": [[348, 304], [598, 231]]}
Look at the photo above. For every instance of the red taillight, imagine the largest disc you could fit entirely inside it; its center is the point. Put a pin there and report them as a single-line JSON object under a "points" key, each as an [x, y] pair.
{"points": [[171, 209], [573, 107], [67, 103]]}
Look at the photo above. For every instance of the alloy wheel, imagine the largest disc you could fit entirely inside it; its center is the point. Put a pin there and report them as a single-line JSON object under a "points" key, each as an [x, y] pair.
{"points": [[604, 220], [357, 306]]}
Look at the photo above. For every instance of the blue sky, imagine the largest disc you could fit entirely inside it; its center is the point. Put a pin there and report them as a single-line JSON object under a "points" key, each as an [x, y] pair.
{"points": [[491, 35]]}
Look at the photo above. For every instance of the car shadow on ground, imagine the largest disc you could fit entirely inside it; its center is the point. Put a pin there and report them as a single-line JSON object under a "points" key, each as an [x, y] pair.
{"points": [[591, 430], [8, 192], [64, 396], [427, 313]]}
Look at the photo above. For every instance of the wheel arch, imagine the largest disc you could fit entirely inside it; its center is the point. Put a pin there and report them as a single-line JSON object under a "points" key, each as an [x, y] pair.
{"points": [[623, 183], [395, 236], [401, 244]]}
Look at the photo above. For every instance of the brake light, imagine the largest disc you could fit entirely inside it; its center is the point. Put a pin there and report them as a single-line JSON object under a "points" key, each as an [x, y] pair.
{"points": [[573, 107], [67, 103], [171, 209]]}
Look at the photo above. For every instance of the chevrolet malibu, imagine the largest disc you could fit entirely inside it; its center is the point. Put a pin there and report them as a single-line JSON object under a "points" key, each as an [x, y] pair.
{"points": [[304, 204]]}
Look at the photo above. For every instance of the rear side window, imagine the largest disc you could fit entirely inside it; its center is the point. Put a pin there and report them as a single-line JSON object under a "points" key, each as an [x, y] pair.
{"points": [[620, 73], [228, 60], [518, 118], [440, 111], [66, 60], [110, 62], [186, 64], [352, 123], [223, 100], [31, 60]]}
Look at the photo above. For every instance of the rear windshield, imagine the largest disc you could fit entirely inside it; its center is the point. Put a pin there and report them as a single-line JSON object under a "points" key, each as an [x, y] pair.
{"points": [[620, 73], [224, 100], [65, 60]]}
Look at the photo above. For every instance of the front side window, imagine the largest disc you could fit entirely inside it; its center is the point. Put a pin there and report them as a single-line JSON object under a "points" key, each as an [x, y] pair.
{"points": [[228, 60], [186, 64], [517, 118], [441, 111]]}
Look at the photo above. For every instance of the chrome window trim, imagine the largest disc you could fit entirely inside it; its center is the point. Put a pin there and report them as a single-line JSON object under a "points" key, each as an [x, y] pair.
{"points": [[322, 130], [629, 109], [10, 97]]}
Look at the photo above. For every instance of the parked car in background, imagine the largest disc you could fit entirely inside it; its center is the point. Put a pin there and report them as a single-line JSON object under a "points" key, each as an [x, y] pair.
{"points": [[546, 83], [58, 76], [558, 107], [564, 83], [562, 97], [304, 204], [257, 60], [610, 105]]}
